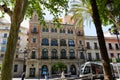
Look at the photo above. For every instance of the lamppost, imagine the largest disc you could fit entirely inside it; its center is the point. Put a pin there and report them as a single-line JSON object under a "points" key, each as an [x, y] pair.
{"points": [[115, 31], [82, 55], [24, 60]]}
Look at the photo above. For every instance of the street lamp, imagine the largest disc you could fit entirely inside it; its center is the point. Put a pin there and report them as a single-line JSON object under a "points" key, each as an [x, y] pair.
{"points": [[83, 55], [115, 31], [109, 5], [24, 58]]}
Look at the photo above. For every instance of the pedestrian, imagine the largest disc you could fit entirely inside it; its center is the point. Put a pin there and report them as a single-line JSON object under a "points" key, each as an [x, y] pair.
{"points": [[23, 76], [46, 77]]}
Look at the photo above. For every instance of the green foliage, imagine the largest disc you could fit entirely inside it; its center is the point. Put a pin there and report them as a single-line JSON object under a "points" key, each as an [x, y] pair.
{"points": [[58, 66], [105, 14], [82, 12]]}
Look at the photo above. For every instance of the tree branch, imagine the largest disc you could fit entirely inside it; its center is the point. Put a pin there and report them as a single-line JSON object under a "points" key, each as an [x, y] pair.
{"points": [[6, 9]]}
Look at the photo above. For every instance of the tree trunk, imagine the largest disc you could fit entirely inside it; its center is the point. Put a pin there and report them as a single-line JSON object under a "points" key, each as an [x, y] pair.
{"points": [[16, 19], [101, 40]]}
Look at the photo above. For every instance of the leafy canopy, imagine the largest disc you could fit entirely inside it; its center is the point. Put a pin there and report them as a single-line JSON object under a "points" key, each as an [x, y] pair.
{"points": [[56, 7]]}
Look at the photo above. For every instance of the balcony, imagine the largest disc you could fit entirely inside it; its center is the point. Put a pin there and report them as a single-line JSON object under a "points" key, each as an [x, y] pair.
{"points": [[54, 44], [44, 57], [63, 44], [54, 57], [34, 31], [72, 57], [72, 45], [45, 44], [63, 58]]}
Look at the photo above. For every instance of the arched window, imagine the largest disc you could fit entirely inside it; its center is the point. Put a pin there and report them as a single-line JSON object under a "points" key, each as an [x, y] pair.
{"points": [[43, 29], [71, 42], [72, 54], [62, 42], [54, 54], [71, 31], [33, 55], [68, 31], [62, 30], [45, 41], [54, 42], [52, 30], [46, 30], [34, 29], [63, 54], [44, 53], [79, 33], [55, 30]]}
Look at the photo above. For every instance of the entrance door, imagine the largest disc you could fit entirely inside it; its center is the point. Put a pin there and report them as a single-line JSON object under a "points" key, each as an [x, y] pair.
{"points": [[32, 72]]}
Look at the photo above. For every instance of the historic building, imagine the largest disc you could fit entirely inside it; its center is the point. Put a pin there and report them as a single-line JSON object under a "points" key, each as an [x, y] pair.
{"points": [[49, 44], [93, 51], [20, 47]]}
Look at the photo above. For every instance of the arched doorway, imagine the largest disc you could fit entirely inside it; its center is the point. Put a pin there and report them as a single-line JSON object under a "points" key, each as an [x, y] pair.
{"points": [[44, 70], [32, 72], [73, 70]]}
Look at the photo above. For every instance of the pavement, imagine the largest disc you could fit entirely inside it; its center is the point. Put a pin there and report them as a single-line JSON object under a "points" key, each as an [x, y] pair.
{"points": [[45, 79]]}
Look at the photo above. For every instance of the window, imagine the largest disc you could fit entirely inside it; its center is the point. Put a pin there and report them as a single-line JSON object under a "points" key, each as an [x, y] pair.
{"points": [[110, 46], [54, 42], [88, 45], [116, 46], [62, 31], [70, 31], [5, 35], [97, 56], [62, 42], [72, 54], [63, 54], [71, 43], [95, 45], [80, 42], [45, 30], [87, 70], [34, 40], [4, 42], [3, 49], [45, 54], [82, 55], [89, 56], [34, 29], [79, 33], [33, 55], [53, 30], [112, 55], [45, 41], [54, 54], [15, 68]]}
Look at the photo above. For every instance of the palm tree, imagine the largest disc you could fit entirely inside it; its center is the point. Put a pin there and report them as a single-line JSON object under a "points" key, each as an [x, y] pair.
{"points": [[84, 11]]}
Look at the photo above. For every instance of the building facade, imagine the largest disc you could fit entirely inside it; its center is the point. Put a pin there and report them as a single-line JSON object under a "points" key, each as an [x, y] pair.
{"points": [[20, 47], [93, 51], [50, 44]]}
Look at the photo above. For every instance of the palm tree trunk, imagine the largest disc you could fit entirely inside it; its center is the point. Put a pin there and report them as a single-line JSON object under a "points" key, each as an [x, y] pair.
{"points": [[101, 40], [16, 18]]}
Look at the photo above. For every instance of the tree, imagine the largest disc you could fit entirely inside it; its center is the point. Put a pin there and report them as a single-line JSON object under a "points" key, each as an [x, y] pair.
{"points": [[101, 40], [90, 8], [18, 10], [58, 66]]}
